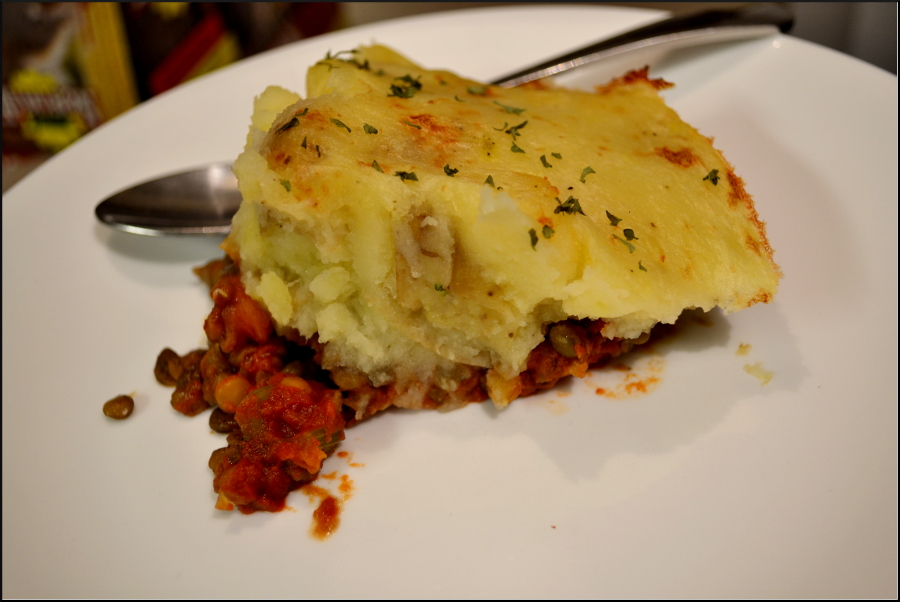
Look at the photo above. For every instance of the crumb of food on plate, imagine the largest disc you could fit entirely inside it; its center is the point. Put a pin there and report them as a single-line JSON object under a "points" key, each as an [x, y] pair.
{"points": [[556, 407], [628, 381], [348, 456], [759, 373], [743, 349], [327, 515], [411, 238], [119, 407]]}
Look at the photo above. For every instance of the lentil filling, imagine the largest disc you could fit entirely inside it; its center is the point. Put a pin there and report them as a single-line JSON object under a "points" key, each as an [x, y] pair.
{"points": [[283, 414]]}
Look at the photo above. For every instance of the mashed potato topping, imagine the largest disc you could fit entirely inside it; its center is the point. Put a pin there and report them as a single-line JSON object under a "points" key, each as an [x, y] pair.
{"points": [[424, 228]]}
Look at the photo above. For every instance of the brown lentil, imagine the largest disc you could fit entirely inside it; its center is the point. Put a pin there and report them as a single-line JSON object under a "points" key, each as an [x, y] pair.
{"points": [[119, 407], [222, 422], [168, 367]]}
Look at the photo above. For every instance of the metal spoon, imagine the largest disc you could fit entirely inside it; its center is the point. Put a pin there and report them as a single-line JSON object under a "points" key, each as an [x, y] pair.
{"points": [[203, 200]]}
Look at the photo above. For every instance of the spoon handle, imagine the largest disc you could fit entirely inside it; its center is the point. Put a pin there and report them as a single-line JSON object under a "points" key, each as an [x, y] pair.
{"points": [[751, 21]]}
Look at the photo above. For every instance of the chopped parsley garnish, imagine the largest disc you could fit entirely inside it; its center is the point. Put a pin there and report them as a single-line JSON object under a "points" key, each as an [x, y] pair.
{"points": [[629, 234], [613, 220], [556, 156], [303, 144], [450, 171], [547, 231], [570, 206], [286, 184], [407, 175], [477, 90], [329, 56], [490, 180], [514, 130], [626, 243], [439, 288], [294, 122], [364, 65], [509, 109], [641, 266], [418, 127], [340, 124], [377, 166], [305, 111], [409, 80], [713, 177], [502, 127], [369, 129], [544, 161], [407, 88], [516, 149], [586, 172], [534, 238], [458, 98]]}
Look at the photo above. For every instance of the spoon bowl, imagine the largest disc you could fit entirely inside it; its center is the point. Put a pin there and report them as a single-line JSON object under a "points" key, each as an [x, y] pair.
{"points": [[196, 201]]}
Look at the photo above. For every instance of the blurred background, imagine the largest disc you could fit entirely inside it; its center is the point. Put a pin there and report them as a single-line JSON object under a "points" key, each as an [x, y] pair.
{"points": [[68, 67]]}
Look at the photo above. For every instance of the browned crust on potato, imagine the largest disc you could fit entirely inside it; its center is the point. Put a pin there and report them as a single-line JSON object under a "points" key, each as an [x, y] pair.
{"points": [[738, 196], [634, 77], [681, 158]]}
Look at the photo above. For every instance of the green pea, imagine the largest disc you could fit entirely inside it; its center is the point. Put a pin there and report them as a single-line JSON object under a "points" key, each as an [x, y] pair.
{"points": [[564, 339]]}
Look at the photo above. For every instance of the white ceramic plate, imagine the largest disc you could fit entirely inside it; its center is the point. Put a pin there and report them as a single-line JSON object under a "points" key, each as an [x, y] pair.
{"points": [[711, 485]]}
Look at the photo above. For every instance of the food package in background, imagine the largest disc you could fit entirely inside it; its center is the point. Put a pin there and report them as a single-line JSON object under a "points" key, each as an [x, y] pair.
{"points": [[68, 67], [66, 70]]}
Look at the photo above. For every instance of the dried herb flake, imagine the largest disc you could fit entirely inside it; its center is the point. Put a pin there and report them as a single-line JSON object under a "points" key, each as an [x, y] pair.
{"points": [[613, 220], [407, 88], [340, 124], [377, 166], [450, 171], [509, 109], [514, 130], [626, 243], [534, 238], [329, 56], [713, 177], [547, 231], [477, 90], [369, 129], [294, 122], [544, 161], [586, 172], [570, 206], [407, 175], [490, 180], [629, 234], [286, 184]]}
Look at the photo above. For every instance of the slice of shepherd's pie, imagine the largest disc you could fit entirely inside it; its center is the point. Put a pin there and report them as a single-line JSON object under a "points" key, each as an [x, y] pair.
{"points": [[437, 240]]}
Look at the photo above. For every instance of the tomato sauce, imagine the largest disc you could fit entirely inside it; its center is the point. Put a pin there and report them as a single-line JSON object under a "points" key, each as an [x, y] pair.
{"points": [[283, 415]]}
